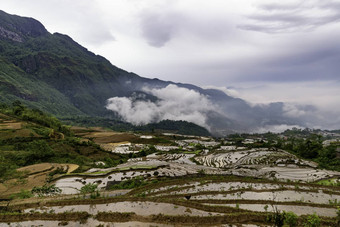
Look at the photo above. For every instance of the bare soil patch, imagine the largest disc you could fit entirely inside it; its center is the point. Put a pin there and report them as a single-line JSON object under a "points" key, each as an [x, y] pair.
{"points": [[36, 175], [10, 125]]}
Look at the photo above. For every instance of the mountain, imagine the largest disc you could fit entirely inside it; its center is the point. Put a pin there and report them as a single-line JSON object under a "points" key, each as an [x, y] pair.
{"points": [[55, 74]]}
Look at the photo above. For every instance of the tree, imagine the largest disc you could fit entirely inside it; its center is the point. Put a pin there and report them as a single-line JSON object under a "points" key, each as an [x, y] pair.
{"points": [[18, 108], [38, 150]]}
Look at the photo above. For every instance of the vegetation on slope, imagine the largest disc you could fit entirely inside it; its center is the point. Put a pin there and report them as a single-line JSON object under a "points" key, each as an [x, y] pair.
{"points": [[55, 74], [179, 127], [42, 138], [306, 144]]}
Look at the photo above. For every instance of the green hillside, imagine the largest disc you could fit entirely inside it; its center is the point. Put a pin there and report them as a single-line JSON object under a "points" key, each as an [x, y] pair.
{"points": [[15, 84], [54, 70], [29, 136], [53, 73]]}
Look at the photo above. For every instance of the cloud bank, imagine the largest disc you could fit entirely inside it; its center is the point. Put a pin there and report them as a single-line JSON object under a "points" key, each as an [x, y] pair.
{"points": [[173, 103], [297, 16], [288, 51], [306, 104]]}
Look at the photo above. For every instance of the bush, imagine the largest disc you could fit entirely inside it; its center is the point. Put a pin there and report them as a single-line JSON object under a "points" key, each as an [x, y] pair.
{"points": [[290, 219], [23, 194], [313, 220], [277, 217], [88, 188], [46, 190], [129, 184]]}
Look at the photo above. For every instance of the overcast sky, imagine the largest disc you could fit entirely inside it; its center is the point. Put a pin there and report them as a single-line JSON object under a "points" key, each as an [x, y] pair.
{"points": [[258, 50]]}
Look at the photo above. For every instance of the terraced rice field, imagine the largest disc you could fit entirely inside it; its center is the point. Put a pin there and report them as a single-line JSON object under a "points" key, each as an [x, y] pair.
{"points": [[302, 199], [261, 157], [138, 207], [208, 199], [36, 175], [244, 163], [273, 164], [89, 223]]}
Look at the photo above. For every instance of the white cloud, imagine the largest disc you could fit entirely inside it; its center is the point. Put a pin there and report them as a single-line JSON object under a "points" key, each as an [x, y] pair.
{"points": [[314, 103], [174, 103], [275, 128], [227, 90], [291, 110], [202, 44]]}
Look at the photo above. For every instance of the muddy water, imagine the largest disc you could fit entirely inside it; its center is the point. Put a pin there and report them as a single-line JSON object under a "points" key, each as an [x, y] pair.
{"points": [[227, 186], [230, 158], [92, 222], [299, 210], [287, 195], [304, 174], [89, 223], [178, 187], [72, 185], [140, 208]]}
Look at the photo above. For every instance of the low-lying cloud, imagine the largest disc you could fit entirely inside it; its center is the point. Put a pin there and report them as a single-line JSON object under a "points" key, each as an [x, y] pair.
{"points": [[306, 104], [178, 103], [275, 128], [173, 103]]}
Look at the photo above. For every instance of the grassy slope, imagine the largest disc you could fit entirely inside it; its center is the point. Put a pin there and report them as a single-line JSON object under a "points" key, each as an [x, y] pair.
{"points": [[15, 84], [57, 75], [84, 80], [41, 138]]}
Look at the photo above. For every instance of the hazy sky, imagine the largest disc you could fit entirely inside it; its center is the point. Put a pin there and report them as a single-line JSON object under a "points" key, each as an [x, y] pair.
{"points": [[255, 49]]}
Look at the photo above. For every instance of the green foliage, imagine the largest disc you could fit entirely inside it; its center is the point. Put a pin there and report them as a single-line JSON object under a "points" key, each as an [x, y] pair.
{"points": [[23, 194], [34, 115], [201, 172], [95, 195], [59, 170], [266, 207], [129, 184], [179, 127], [92, 189], [290, 219], [28, 153], [277, 217], [334, 202], [46, 190], [146, 151], [38, 151], [311, 148], [53, 73], [17, 151], [88, 188], [6, 169], [313, 220]]}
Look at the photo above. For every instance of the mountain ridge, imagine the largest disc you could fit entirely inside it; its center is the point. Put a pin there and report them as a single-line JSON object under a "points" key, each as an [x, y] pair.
{"points": [[56, 74]]}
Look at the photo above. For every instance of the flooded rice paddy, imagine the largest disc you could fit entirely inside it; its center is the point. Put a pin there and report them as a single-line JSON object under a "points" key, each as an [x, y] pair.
{"points": [[140, 208]]}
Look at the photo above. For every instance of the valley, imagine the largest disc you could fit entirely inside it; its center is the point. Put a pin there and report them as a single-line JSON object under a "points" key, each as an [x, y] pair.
{"points": [[86, 143], [160, 178]]}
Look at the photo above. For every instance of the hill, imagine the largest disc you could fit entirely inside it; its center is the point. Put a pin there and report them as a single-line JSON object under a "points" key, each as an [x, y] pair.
{"points": [[57, 75]]}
